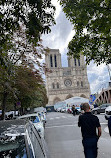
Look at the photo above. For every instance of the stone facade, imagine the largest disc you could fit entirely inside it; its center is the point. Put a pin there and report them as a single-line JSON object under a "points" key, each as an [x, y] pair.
{"points": [[65, 82]]}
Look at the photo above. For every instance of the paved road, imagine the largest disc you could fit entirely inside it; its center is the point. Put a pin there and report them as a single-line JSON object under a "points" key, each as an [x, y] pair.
{"points": [[63, 137]]}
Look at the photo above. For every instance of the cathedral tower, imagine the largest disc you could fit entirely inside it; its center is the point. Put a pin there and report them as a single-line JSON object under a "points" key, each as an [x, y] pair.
{"points": [[65, 82]]}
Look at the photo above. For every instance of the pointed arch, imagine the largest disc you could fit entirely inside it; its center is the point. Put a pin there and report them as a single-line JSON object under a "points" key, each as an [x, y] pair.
{"points": [[69, 96], [82, 95], [57, 99]]}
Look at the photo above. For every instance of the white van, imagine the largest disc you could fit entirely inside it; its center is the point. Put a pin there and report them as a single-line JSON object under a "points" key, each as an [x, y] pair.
{"points": [[108, 112]]}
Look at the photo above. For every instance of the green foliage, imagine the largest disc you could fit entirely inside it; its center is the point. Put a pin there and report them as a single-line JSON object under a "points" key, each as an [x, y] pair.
{"points": [[92, 23], [25, 86], [21, 25], [30, 89], [36, 15]]}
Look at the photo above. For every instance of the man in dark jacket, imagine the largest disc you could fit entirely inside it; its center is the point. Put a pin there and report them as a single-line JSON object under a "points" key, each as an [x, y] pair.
{"points": [[109, 125], [89, 123], [73, 110]]}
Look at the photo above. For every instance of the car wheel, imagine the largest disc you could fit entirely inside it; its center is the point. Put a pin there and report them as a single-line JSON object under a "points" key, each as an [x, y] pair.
{"points": [[95, 112]]}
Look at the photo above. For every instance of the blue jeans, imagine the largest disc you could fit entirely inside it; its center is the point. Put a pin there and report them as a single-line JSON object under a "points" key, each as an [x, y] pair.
{"points": [[90, 147]]}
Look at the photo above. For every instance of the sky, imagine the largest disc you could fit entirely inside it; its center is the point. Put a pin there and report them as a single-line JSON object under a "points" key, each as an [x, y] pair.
{"points": [[61, 34]]}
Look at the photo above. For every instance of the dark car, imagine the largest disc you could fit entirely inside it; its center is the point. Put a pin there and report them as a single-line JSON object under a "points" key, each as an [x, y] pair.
{"points": [[100, 109]]}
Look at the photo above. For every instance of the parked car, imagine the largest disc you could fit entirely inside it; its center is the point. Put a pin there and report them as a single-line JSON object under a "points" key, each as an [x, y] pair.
{"points": [[69, 110], [108, 112], [100, 109], [59, 109], [11, 115], [0, 114], [42, 116], [36, 121], [63, 109], [78, 110]]}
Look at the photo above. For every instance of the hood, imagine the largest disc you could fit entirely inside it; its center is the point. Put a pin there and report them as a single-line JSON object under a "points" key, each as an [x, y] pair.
{"points": [[96, 108], [108, 108]]}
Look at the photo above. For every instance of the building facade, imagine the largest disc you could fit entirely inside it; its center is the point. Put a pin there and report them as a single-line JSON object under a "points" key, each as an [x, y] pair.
{"points": [[65, 82]]}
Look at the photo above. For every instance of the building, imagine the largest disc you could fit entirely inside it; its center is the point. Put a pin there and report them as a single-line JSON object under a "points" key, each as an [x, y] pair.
{"points": [[65, 82], [104, 96]]}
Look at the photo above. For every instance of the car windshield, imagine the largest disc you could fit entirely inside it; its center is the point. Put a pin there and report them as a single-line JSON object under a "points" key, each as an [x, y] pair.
{"points": [[35, 119]]}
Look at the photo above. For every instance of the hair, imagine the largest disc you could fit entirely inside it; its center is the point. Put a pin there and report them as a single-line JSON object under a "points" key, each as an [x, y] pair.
{"points": [[85, 106]]}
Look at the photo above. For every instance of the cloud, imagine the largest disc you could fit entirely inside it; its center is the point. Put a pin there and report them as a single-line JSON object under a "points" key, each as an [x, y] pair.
{"points": [[59, 38], [98, 77], [60, 35]]}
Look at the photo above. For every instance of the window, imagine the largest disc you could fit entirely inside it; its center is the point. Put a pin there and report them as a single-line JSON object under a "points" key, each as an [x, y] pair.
{"points": [[57, 85], [75, 62], [66, 73], [79, 62], [55, 60], [53, 85], [68, 82], [51, 62], [81, 83], [78, 83]]}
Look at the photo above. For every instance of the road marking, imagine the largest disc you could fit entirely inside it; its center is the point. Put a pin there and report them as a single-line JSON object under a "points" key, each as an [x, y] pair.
{"points": [[106, 130], [63, 116], [62, 126], [70, 116], [103, 123], [57, 117], [51, 119]]}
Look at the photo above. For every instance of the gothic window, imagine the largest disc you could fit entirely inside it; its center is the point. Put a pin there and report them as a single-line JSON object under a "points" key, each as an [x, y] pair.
{"points": [[75, 62], [57, 85], [77, 83], [55, 58], [51, 62], [81, 83], [79, 62], [53, 85]]}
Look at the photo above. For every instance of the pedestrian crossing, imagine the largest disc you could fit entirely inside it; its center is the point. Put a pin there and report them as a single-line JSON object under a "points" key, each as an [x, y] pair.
{"points": [[60, 117]]}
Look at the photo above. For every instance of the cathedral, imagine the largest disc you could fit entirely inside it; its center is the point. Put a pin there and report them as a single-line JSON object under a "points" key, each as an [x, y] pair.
{"points": [[65, 82]]}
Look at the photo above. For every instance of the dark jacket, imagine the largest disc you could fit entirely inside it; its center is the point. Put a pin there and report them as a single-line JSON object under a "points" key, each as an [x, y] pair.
{"points": [[109, 125]]}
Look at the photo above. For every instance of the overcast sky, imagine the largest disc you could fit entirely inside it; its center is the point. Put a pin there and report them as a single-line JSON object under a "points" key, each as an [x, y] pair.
{"points": [[59, 38]]}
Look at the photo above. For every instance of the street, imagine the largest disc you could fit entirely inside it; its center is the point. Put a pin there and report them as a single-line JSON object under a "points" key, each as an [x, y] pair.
{"points": [[63, 137]]}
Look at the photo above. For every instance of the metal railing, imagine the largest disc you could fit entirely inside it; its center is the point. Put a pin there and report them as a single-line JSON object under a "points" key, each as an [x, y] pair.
{"points": [[35, 144]]}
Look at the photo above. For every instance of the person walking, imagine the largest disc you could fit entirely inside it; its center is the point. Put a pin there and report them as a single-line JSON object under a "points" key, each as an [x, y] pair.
{"points": [[109, 125], [89, 123], [73, 110]]}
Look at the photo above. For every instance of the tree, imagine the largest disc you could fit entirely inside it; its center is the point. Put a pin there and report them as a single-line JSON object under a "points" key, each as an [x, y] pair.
{"points": [[92, 23], [26, 86], [6, 82], [21, 25], [29, 88], [37, 16]]}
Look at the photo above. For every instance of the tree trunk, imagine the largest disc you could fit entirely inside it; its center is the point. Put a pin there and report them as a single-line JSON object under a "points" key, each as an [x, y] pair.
{"points": [[5, 94]]}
